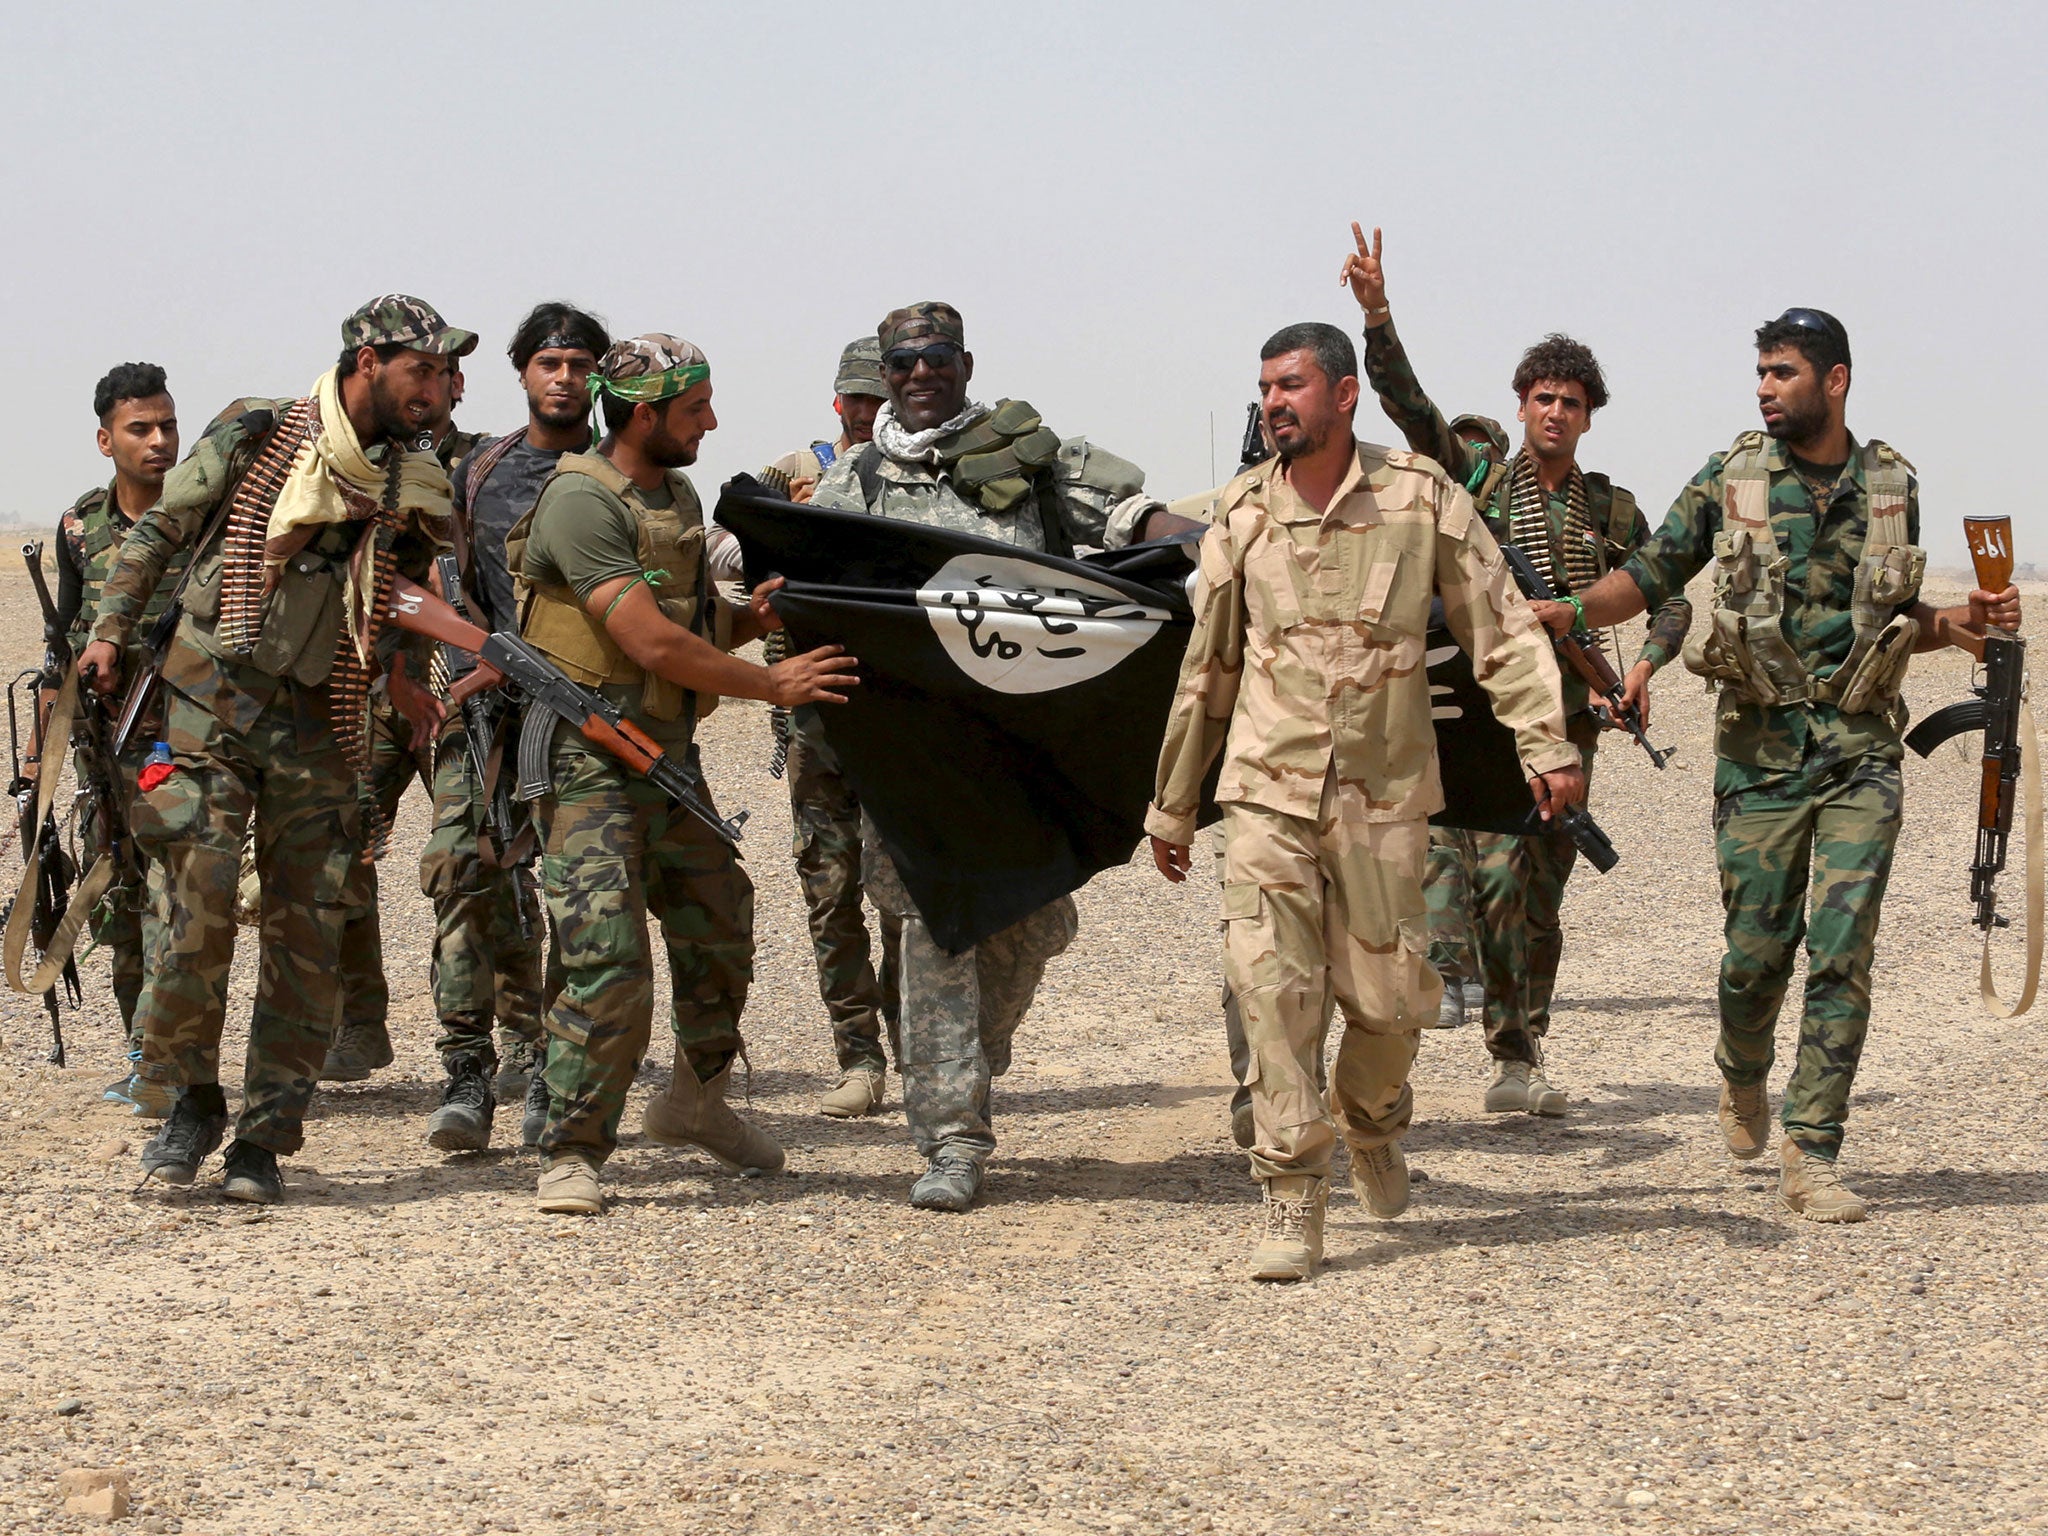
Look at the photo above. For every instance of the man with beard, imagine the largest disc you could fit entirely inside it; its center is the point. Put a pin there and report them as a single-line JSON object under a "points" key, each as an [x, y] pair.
{"points": [[489, 932], [940, 459], [615, 591], [1305, 668], [139, 432], [1815, 540], [362, 1041], [294, 515], [1574, 526]]}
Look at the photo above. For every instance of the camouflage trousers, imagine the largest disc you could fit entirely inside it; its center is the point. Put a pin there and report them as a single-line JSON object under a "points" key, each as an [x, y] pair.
{"points": [[616, 849], [825, 820], [126, 921], [489, 932], [1804, 855], [287, 775], [960, 1012], [365, 992], [1233, 1021], [1494, 902], [1447, 897], [1315, 909]]}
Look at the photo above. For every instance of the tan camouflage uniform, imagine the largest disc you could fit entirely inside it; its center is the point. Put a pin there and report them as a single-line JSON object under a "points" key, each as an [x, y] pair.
{"points": [[1305, 669]]}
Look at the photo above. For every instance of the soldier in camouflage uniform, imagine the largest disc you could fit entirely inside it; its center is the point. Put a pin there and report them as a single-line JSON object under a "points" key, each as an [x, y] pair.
{"points": [[362, 1039], [1305, 670], [490, 932], [614, 590], [1816, 542], [264, 681], [1574, 525], [139, 431], [825, 811], [942, 460]]}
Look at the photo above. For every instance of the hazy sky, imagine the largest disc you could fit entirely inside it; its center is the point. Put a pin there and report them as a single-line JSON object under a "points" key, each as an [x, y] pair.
{"points": [[1124, 201]]}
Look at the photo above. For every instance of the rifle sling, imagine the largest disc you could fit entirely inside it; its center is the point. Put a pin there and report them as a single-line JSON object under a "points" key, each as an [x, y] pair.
{"points": [[2030, 775], [49, 769]]}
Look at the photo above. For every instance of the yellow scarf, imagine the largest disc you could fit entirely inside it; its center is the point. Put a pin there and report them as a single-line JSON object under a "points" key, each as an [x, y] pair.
{"points": [[312, 491], [312, 495]]}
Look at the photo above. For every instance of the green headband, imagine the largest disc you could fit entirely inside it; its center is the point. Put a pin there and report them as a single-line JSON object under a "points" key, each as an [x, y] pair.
{"points": [[651, 387]]}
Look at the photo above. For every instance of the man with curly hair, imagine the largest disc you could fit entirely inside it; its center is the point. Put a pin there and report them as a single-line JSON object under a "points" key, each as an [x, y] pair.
{"points": [[1574, 526]]}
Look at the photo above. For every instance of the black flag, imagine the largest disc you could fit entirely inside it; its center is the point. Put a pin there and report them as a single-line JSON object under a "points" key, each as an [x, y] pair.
{"points": [[1005, 735]]}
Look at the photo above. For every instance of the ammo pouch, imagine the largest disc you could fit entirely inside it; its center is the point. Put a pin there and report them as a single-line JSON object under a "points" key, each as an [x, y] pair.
{"points": [[1743, 645], [996, 459], [1872, 674]]}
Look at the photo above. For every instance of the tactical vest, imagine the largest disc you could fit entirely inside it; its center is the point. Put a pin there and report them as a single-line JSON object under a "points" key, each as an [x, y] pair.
{"points": [[1744, 647], [303, 614], [995, 462], [100, 535], [671, 548]]}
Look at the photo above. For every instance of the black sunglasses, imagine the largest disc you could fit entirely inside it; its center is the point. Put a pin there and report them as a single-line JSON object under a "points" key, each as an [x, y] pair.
{"points": [[940, 354], [1817, 320]]}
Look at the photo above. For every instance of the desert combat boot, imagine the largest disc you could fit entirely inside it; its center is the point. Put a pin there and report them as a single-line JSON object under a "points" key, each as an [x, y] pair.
{"points": [[1379, 1177], [356, 1051], [858, 1093], [1291, 1247], [694, 1114], [1745, 1120], [568, 1187], [1809, 1186]]}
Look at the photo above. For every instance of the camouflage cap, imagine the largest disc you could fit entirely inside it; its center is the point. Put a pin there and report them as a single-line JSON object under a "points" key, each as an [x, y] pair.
{"points": [[923, 323], [400, 320], [648, 368], [860, 368]]}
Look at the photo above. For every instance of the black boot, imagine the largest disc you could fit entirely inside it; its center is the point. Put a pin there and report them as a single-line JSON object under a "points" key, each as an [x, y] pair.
{"points": [[251, 1174], [535, 1120], [193, 1129], [463, 1122]]}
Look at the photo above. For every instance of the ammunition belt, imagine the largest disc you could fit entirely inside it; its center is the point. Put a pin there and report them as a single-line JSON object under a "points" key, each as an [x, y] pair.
{"points": [[243, 587]]}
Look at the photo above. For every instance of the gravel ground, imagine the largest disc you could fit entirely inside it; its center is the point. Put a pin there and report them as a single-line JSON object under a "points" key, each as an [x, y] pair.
{"points": [[1597, 1323]]}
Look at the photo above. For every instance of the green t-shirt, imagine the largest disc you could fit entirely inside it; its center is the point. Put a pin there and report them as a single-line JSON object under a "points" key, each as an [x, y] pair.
{"points": [[583, 536]]}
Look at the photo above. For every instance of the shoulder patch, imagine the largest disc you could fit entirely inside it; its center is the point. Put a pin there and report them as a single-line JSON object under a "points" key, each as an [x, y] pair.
{"points": [[1746, 442]]}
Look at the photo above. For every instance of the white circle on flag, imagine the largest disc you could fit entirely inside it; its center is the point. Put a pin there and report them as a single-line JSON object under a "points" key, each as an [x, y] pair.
{"points": [[1016, 627]]}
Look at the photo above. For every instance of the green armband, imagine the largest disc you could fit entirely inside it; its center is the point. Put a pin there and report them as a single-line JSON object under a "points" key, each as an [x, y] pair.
{"points": [[652, 578], [1578, 610]]}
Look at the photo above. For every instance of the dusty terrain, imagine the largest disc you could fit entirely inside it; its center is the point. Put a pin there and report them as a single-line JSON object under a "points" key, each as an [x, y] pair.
{"points": [[1596, 1324]]}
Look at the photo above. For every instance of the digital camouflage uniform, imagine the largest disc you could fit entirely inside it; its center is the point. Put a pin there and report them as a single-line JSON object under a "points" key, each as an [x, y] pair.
{"points": [[254, 739], [1305, 670], [959, 1012], [1513, 886], [1806, 796], [615, 849], [125, 923]]}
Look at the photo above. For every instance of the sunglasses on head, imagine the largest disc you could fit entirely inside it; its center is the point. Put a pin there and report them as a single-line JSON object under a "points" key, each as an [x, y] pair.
{"points": [[939, 354], [1814, 320]]}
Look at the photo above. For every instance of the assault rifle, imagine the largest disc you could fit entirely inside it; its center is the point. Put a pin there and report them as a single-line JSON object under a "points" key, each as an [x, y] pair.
{"points": [[1252, 448], [1996, 710], [55, 870], [481, 718], [1582, 653], [549, 696]]}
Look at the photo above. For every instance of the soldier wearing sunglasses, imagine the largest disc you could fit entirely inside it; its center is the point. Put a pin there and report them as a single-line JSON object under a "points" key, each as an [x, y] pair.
{"points": [[1815, 538], [997, 471]]}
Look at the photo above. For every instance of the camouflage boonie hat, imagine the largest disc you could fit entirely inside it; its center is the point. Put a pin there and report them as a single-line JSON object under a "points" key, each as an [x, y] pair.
{"points": [[648, 368], [400, 320], [860, 368], [923, 323]]}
